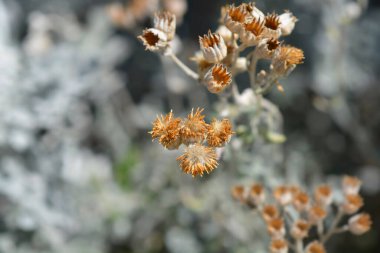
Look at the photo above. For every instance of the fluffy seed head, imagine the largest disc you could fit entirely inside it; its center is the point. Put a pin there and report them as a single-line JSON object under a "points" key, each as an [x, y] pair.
{"points": [[194, 128], [285, 60], [217, 78], [198, 159], [167, 130], [219, 133]]}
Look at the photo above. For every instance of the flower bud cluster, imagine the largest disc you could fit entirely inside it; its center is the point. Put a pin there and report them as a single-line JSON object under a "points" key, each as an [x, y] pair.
{"points": [[290, 213], [200, 138]]}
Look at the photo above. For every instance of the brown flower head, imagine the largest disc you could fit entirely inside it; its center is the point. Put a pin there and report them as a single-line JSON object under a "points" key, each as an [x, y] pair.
{"points": [[154, 39], [235, 18], [239, 193], [272, 26], [315, 247], [213, 47], [167, 130], [276, 228], [217, 78], [300, 229], [360, 223], [267, 48], [323, 195], [283, 195], [285, 60], [316, 214], [220, 132], [278, 246], [165, 22], [352, 203], [301, 201], [198, 159], [257, 194], [194, 128], [269, 212], [251, 33], [351, 185]]}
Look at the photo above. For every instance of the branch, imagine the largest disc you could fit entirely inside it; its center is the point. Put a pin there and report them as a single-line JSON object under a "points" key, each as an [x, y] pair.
{"points": [[183, 66]]}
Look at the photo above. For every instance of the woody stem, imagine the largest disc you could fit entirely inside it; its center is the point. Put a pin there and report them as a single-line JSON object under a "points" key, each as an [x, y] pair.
{"points": [[183, 66]]}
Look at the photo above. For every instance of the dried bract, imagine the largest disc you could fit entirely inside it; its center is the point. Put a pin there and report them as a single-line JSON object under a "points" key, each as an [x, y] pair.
{"points": [[252, 31], [235, 18], [272, 26], [198, 159], [217, 78], [154, 39], [165, 22], [213, 47]]}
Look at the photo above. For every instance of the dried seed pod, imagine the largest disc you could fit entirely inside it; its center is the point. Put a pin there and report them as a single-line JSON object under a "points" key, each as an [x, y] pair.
{"points": [[213, 47], [217, 78]]}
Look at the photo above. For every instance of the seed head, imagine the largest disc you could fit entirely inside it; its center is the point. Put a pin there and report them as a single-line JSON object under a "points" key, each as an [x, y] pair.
{"points": [[252, 31], [213, 47], [154, 39], [167, 130], [194, 128], [360, 223], [217, 78], [315, 247], [279, 246]]}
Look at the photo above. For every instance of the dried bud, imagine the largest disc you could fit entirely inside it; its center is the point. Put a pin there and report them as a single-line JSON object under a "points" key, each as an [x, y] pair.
{"points": [[360, 223], [301, 201], [315, 247], [276, 228], [269, 212], [272, 27], [352, 203], [165, 22], [257, 194], [220, 132], [351, 185], [285, 60], [267, 48], [251, 32], [316, 214], [198, 159], [235, 18], [154, 39], [239, 193], [287, 23], [194, 128], [256, 13], [167, 130], [283, 195], [279, 246], [217, 78], [323, 195], [300, 229], [213, 47]]}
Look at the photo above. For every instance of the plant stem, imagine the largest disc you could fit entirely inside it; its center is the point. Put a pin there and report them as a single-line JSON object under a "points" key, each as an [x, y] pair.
{"points": [[183, 66], [333, 228], [299, 246], [252, 70]]}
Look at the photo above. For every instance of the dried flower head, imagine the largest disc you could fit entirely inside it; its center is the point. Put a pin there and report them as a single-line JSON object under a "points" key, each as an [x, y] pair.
{"points": [[257, 194], [213, 47], [251, 33], [269, 212], [235, 18], [360, 223], [217, 78], [267, 48], [323, 195], [315, 247], [194, 128], [154, 39], [300, 229], [219, 133], [198, 159], [167, 130], [239, 193], [278, 246], [285, 60], [351, 185], [283, 195], [165, 22], [352, 203], [316, 214], [276, 228], [272, 26], [301, 201], [287, 22]]}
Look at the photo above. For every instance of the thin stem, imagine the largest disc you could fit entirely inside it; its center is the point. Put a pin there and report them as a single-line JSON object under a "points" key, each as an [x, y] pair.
{"points": [[333, 227], [183, 66], [252, 70], [299, 246], [320, 228], [235, 91]]}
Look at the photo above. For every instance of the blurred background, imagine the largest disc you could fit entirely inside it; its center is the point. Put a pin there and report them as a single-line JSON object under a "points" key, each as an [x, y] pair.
{"points": [[78, 171]]}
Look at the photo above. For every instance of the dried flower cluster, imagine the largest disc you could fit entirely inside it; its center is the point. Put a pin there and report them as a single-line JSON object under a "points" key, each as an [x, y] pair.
{"points": [[295, 213], [200, 139]]}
